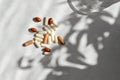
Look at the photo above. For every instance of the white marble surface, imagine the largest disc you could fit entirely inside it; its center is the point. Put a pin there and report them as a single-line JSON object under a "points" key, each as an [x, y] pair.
{"points": [[77, 60]]}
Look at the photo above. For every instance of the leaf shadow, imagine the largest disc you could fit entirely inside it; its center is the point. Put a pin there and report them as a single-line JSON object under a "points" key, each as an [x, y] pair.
{"points": [[108, 67]]}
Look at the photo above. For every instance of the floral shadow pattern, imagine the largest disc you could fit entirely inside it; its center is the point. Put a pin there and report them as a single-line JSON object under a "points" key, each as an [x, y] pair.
{"points": [[104, 37]]}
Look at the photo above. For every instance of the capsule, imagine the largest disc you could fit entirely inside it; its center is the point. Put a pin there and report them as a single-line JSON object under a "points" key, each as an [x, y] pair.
{"points": [[50, 21], [37, 19], [42, 32], [60, 39], [33, 29], [39, 35], [46, 53], [54, 28], [28, 43], [52, 37], [44, 45], [37, 44], [45, 39], [46, 49], [49, 40], [44, 21], [54, 25], [47, 29], [38, 39], [56, 39]]}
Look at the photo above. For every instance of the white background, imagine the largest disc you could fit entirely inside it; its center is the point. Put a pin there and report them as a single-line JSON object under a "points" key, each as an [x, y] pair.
{"points": [[92, 42]]}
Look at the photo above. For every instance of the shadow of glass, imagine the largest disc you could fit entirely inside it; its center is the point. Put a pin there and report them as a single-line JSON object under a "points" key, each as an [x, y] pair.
{"points": [[107, 3], [21, 60], [88, 7]]}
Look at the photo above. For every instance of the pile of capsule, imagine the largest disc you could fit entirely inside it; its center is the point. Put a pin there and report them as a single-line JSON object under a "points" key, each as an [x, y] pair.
{"points": [[45, 35]]}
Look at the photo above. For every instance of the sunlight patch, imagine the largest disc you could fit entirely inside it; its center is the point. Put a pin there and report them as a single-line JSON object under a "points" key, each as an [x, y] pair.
{"points": [[73, 38], [106, 34]]}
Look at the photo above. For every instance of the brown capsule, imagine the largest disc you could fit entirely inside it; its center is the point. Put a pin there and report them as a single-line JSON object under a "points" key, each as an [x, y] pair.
{"points": [[28, 43], [46, 49], [50, 21], [45, 39], [37, 19], [60, 39], [33, 29]]}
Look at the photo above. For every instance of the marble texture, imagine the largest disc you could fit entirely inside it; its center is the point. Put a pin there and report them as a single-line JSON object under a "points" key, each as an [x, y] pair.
{"points": [[92, 42]]}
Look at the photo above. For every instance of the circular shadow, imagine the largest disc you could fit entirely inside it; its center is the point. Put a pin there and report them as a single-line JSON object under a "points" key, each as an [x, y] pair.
{"points": [[82, 10]]}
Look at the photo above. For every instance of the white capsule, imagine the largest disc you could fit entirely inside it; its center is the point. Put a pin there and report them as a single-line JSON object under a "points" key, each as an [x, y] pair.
{"points": [[38, 39], [56, 39], [55, 25], [47, 53], [37, 44], [42, 32], [53, 31], [44, 21], [44, 45], [39, 35], [52, 37], [47, 29], [54, 28]]}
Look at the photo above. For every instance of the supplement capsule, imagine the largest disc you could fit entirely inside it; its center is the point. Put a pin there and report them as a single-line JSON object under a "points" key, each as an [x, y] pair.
{"points": [[44, 45], [54, 28], [40, 29], [33, 29], [56, 39], [46, 53], [46, 49], [49, 40], [38, 39], [28, 43], [60, 39], [52, 37], [39, 35], [37, 44], [44, 21], [50, 21], [37, 19], [47, 29], [45, 39], [42, 32]]}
